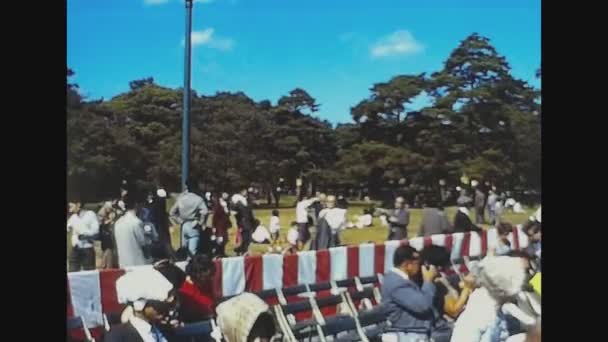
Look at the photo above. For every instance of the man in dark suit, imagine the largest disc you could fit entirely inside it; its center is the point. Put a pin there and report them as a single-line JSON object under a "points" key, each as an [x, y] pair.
{"points": [[408, 306], [152, 298]]}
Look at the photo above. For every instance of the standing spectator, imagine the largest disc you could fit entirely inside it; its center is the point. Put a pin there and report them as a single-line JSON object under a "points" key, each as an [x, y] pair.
{"points": [[492, 200], [107, 216], [152, 297], [274, 226], [160, 219], [463, 200], [221, 222], [331, 221], [398, 220], [408, 306], [462, 222], [190, 211], [84, 227], [302, 218], [130, 237], [317, 206], [480, 206], [196, 293], [244, 219], [434, 221]]}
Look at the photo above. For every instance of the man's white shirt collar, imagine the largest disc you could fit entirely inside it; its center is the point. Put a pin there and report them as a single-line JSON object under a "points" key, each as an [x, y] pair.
{"points": [[400, 273], [144, 329]]}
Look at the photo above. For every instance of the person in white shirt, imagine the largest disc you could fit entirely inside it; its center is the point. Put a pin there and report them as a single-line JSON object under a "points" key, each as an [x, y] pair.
{"points": [[130, 237], [84, 227], [302, 219], [274, 226], [335, 219]]}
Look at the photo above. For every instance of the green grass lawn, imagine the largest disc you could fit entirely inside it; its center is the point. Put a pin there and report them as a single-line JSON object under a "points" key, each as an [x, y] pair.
{"points": [[375, 233]]}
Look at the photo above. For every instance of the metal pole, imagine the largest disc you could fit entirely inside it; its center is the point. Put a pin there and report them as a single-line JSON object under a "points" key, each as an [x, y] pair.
{"points": [[186, 105]]}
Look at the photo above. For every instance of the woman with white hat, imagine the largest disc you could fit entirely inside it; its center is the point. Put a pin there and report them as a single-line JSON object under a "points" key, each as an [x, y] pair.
{"points": [[152, 298], [245, 318], [501, 279]]}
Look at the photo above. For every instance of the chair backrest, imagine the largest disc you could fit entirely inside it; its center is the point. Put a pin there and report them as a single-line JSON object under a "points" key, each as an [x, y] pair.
{"points": [[203, 328], [338, 324], [74, 323], [373, 316]]}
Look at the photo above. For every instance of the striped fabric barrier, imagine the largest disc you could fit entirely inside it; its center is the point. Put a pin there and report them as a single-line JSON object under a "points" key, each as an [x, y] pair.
{"points": [[91, 293]]}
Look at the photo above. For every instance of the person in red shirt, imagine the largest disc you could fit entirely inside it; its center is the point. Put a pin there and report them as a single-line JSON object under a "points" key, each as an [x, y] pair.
{"points": [[196, 294]]}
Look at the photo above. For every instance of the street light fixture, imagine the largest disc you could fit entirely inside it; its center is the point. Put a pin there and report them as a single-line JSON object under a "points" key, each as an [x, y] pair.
{"points": [[186, 105]]}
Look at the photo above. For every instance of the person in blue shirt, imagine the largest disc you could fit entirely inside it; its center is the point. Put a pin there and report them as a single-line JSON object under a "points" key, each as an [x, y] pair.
{"points": [[408, 306]]}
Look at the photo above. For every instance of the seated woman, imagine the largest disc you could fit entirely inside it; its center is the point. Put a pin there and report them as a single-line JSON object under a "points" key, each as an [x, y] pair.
{"points": [[196, 293], [246, 318], [483, 319], [503, 245], [448, 302]]}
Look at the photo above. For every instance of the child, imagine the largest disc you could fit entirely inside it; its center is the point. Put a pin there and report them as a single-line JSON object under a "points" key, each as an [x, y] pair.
{"points": [[503, 245], [292, 239], [274, 227], [261, 234]]}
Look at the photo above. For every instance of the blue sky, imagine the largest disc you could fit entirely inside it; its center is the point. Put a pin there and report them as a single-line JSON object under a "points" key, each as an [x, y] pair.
{"points": [[333, 49]]}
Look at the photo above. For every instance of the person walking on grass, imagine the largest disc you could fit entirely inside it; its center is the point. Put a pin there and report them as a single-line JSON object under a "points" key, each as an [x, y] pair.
{"points": [[189, 211], [398, 220], [302, 218]]}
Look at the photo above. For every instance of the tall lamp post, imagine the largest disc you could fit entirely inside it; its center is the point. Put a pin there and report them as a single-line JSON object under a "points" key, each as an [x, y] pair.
{"points": [[187, 92]]}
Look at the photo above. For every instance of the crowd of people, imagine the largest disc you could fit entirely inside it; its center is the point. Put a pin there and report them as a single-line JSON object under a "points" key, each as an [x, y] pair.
{"points": [[135, 230], [425, 297]]}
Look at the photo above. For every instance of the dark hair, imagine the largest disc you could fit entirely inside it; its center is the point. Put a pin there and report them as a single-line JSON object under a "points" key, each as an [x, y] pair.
{"points": [[264, 327], [275, 212], [531, 228], [199, 264], [403, 254], [192, 185], [181, 254], [293, 223], [504, 228], [435, 255], [174, 274], [130, 201]]}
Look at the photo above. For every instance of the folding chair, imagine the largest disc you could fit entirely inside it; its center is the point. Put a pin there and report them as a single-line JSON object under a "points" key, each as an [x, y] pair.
{"points": [[195, 331], [78, 323], [74, 323], [372, 322], [110, 319], [342, 324], [305, 328]]}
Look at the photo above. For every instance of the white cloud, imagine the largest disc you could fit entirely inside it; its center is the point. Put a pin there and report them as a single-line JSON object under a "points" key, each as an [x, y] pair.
{"points": [[202, 37], [155, 2], [397, 43], [207, 38]]}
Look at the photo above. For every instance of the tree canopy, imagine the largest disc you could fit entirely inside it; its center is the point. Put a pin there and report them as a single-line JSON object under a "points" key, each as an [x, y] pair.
{"points": [[478, 120]]}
